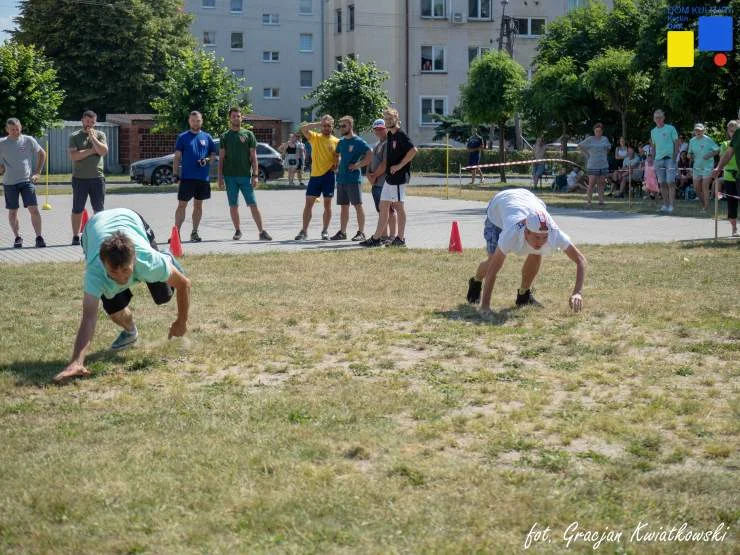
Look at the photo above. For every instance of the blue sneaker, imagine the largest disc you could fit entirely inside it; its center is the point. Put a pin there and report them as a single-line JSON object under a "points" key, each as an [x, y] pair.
{"points": [[125, 339]]}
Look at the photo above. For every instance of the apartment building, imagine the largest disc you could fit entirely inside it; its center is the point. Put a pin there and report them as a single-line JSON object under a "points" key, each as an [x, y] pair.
{"points": [[276, 44], [427, 46]]}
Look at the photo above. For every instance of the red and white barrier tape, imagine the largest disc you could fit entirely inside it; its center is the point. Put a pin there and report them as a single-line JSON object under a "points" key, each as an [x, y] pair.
{"points": [[522, 163]]}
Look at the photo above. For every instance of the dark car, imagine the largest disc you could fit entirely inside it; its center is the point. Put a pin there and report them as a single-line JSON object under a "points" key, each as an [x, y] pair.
{"points": [[158, 171]]}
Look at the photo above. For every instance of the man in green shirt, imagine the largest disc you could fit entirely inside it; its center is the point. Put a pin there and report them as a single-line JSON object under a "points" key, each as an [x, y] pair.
{"points": [[87, 147], [237, 161]]}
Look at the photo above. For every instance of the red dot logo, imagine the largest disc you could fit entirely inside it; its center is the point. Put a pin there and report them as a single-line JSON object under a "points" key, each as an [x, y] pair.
{"points": [[720, 59]]}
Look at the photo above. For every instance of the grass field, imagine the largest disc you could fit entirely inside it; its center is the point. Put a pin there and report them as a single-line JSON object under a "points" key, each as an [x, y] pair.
{"points": [[352, 403]]}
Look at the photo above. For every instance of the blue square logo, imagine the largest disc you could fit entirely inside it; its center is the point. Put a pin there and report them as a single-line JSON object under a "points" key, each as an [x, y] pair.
{"points": [[715, 34]]}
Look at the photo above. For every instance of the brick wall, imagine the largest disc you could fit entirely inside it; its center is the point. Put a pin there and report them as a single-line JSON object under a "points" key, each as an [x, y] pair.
{"points": [[152, 145]]}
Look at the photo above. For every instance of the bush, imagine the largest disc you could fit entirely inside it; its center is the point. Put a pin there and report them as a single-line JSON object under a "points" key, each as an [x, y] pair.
{"points": [[432, 160]]}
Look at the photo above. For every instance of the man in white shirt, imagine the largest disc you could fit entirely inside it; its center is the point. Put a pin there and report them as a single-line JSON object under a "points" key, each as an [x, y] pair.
{"points": [[518, 222]]}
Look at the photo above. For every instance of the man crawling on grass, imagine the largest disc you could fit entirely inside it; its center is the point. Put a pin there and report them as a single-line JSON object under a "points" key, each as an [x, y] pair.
{"points": [[517, 221], [120, 250]]}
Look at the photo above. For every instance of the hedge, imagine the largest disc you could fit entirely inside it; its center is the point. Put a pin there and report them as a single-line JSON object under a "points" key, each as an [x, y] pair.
{"points": [[432, 160]]}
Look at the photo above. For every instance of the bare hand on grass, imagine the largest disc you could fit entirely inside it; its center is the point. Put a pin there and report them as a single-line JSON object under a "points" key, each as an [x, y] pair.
{"points": [[177, 329], [576, 302]]}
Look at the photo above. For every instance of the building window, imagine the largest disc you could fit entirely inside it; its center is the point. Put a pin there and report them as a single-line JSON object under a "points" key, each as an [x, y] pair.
{"points": [[529, 26], [339, 63], [350, 18], [306, 79], [209, 38], [306, 115], [208, 3], [306, 42], [432, 59], [237, 41], [433, 8], [236, 5], [479, 9], [305, 7], [238, 73], [573, 4], [268, 93], [270, 19], [270, 56], [476, 51], [338, 19], [431, 105]]}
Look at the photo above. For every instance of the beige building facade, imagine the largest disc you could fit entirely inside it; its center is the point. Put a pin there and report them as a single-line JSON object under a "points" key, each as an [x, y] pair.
{"points": [[427, 45]]}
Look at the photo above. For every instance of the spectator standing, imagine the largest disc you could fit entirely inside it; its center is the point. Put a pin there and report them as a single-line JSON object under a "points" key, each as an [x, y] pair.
{"points": [[664, 146], [596, 149], [729, 179], [376, 177], [195, 149], [475, 147], [538, 169], [702, 151], [22, 159], [630, 171], [87, 147], [294, 154]]}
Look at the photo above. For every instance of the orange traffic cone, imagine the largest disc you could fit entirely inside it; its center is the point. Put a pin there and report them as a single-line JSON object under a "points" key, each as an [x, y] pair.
{"points": [[84, 220], [455, 241], [175, 245]]}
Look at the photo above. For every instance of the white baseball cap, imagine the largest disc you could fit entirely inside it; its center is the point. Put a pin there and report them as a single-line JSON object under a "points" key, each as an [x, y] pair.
{"points": [[536, 222], [379, 124]]}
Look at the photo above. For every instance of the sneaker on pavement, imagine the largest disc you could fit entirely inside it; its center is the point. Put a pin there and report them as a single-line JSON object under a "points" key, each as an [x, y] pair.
{"points": [[76, 241], [264, 236], [669, 210], [397, 242], [663, 208], [339, 236], [385, 240], [18, 243], [237, 235], [125, 338], [40, 243], [194, 237], [474, 289], [324, 234], [359, 236], [527, 298], [371, 242], [301, 236]]}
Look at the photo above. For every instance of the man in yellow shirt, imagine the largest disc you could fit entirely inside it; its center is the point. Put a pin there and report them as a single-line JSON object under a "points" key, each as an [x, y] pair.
{"points": [[324, 162]]}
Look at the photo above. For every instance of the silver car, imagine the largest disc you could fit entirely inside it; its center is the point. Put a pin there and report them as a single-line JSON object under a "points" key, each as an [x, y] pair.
{"points": [[158, 171]]}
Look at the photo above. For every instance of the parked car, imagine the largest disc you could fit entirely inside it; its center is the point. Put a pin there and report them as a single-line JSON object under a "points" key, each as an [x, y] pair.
{"points": [[158, 171]]}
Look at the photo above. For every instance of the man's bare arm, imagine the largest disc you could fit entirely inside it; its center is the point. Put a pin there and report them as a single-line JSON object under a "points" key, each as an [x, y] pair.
{"points": [[495, 263], [313, 126], [576, 298], [100, 148], [85, 333], [182, 294]]}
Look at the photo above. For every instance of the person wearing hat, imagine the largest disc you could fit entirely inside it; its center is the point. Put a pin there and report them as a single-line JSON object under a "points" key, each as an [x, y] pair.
{"points": [[518, 222], [702, 151], [376, 176]]}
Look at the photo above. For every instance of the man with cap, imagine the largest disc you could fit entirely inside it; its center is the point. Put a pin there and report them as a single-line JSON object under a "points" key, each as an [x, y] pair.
{"points": [[376, 176], [518, 222]]}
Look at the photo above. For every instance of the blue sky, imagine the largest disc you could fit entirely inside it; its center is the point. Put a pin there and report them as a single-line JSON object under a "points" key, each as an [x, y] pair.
{"points": [[8, 10]]}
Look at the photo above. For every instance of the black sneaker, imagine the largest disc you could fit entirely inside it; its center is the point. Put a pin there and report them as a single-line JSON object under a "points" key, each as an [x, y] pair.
{"points": [[194, 237], [359, 236], [339, 236], [526, 298], [385, 240], [264, 236], [301, 236], [371, 242], [474, 289], [397, 242], [76, 241], [324, 234], [18, 243], [40, 243], [237, 235]]}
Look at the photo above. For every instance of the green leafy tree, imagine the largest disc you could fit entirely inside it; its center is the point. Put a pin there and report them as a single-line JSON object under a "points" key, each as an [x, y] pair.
{"points": [[31, 92], [355, 90], [111, 55], [493, 93], [556, 99], [196, 80], [456, 127], [613, 78]]}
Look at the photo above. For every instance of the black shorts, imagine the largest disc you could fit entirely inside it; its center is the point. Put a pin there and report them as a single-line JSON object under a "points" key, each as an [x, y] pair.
{"points": [[160, 291], [83, 188], [193, 188]]}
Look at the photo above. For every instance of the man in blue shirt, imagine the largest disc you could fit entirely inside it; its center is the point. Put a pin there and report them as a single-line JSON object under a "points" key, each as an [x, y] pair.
{"points": [[354, 153], [194, 148], [120, 251]]}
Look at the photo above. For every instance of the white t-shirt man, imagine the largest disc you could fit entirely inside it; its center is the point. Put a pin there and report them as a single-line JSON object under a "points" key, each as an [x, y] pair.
{"points": [[514, 210]]}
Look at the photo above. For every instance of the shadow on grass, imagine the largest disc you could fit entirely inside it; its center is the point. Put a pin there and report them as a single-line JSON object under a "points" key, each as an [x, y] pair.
{"points": [[721, 243], [469, 313], [40, 372]]}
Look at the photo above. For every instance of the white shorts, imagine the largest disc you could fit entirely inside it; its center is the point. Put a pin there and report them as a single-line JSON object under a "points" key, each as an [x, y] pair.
{"points": [[393, 193]]}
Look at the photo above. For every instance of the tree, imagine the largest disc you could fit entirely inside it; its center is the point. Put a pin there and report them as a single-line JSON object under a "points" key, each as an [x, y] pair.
{"points": [[492, 93], [456, 127], [556, 95], [111, 56], [31, 92], [613, 78], [197, 81], [355, 90]]}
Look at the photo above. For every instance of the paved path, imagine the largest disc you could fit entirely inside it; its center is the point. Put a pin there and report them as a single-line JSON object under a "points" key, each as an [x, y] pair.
{"points": [[429, 225]]}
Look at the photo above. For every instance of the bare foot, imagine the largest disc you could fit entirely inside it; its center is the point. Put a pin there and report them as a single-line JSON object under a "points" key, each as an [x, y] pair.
{"points": [[70, 372]]}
